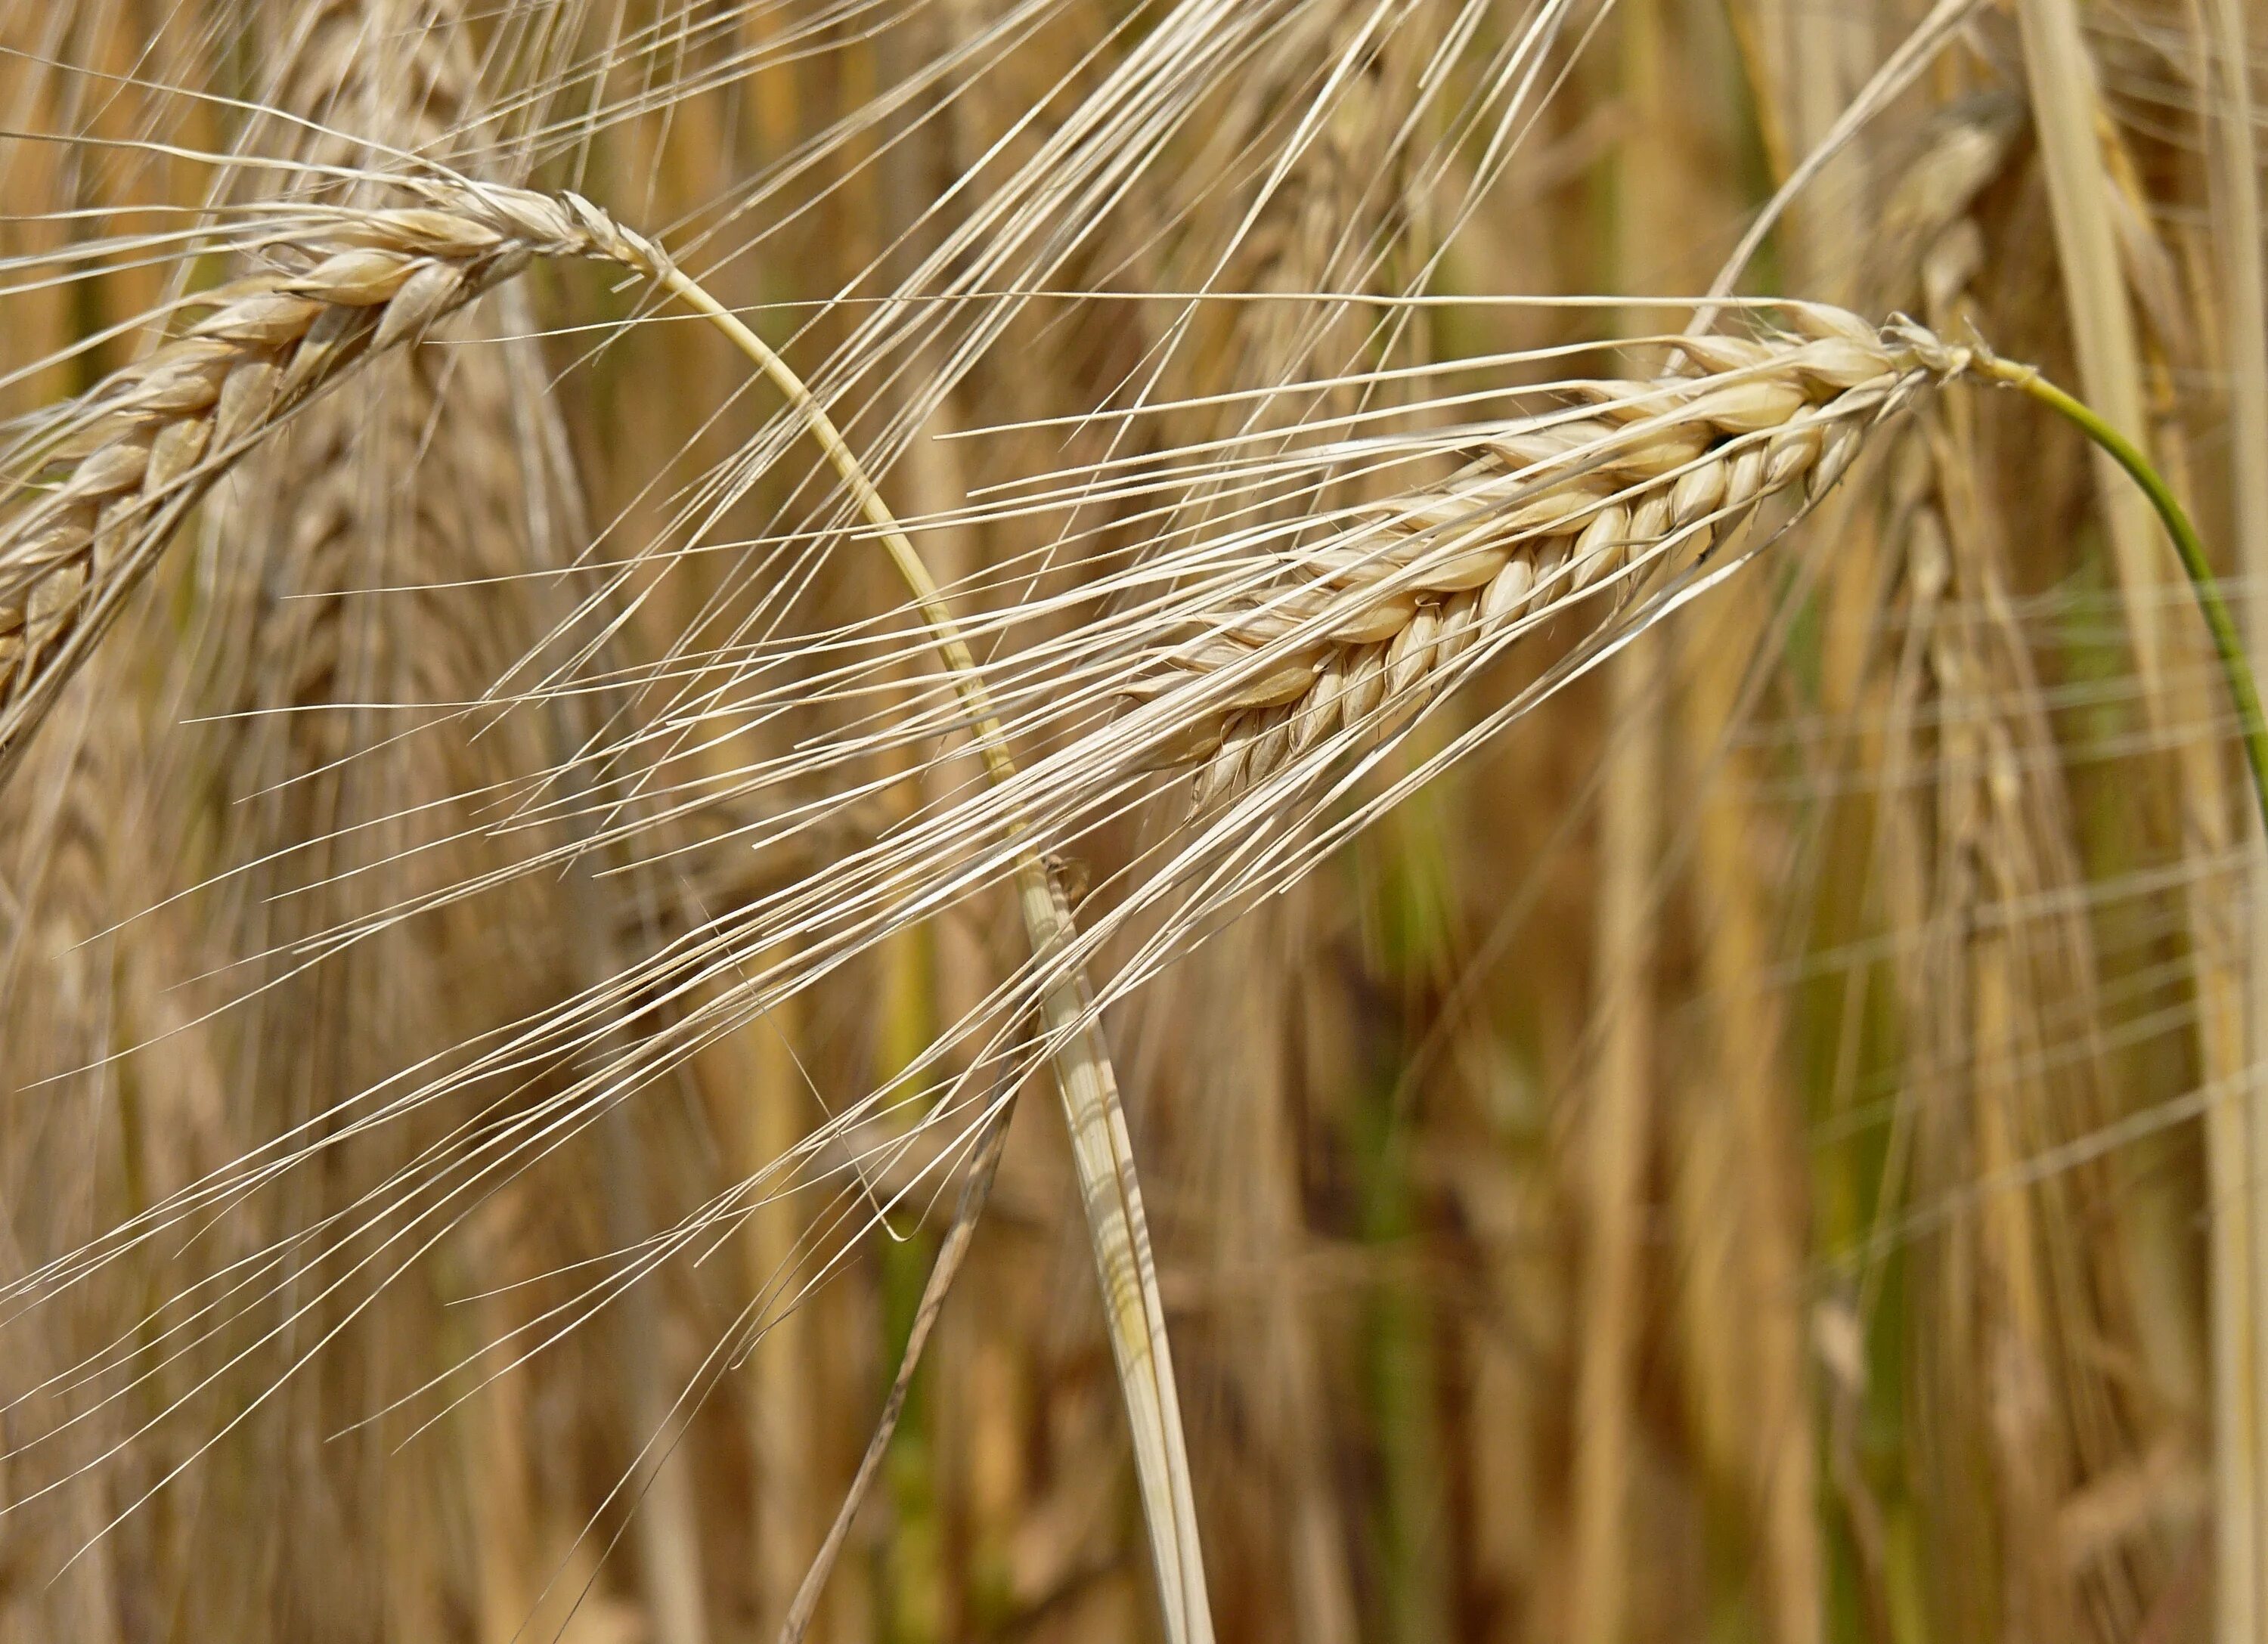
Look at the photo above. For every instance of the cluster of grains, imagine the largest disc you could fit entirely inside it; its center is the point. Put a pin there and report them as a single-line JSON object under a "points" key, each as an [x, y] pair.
{"points": [[1360, 631], [343, 284]]}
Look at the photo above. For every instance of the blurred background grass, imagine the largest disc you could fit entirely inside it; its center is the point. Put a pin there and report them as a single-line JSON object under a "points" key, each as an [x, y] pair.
{"points": [[1759, 1150]]}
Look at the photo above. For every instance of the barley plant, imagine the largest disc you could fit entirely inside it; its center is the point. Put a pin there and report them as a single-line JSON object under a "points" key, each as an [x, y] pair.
{"points": [[895, 821]]}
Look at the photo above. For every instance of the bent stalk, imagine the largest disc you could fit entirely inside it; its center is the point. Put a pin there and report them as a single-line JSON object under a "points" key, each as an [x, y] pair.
{"points": [[2236, 671], [1133, 1309]]}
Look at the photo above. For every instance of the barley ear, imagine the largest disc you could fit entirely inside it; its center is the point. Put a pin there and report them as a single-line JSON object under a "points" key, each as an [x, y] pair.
{"points": [[375, 278]]}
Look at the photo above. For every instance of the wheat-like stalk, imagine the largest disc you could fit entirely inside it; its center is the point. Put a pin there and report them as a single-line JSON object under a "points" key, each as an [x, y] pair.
{"points": [[352, 281], [1356, 633], [97, 496], [1627, 477]]}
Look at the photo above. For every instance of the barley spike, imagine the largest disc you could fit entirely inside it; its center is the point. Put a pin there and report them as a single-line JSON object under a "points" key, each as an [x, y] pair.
{"points": [[1359, 630], [94, 502]]}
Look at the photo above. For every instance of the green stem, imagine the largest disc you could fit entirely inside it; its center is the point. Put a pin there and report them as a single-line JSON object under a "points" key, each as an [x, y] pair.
{"points": [[2236, 670]]}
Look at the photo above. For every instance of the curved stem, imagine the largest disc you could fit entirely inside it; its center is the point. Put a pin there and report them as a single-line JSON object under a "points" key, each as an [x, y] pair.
{"points": [[2236, 669], [951, 649], [1133, 1309]]}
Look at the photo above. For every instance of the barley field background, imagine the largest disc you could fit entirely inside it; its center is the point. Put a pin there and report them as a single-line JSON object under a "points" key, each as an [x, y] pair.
{"points": [[1284, 820]]}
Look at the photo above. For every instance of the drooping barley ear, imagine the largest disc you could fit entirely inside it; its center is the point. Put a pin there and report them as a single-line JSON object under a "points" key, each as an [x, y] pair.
{"points": [[94, 502], [1358, 634], [357, 282]]}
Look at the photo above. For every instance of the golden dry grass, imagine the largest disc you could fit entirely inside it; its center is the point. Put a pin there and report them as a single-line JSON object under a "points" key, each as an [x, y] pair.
{"points": [[1670, 913]]}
